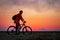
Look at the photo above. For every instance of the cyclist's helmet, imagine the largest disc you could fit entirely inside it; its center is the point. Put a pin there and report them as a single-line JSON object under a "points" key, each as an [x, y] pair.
{"points": [[20, 11]]}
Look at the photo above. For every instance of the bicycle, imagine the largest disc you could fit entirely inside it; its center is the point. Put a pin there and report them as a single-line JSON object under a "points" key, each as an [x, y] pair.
{"points": [[16, 30]]}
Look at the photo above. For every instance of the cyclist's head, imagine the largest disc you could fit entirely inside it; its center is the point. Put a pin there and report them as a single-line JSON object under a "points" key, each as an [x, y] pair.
{"points": [[20, 11]]}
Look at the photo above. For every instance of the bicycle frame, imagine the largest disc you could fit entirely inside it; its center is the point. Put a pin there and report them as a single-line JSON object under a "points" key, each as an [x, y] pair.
{"points": [[22, 25]]}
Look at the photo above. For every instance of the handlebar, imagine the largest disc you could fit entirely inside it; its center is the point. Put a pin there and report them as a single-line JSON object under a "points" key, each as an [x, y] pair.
{"points": [[24, 22]]}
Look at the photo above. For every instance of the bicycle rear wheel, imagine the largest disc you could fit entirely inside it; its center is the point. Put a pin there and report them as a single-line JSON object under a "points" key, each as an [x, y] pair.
{"points": [[11, 30], [27, 30]]}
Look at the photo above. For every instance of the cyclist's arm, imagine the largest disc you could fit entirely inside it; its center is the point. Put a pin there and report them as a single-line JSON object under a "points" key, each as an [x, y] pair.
{"points": [[22, 19]]}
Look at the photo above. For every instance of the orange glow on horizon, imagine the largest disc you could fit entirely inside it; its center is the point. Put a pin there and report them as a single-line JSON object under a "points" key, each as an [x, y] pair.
{"points": [[33, 18]]}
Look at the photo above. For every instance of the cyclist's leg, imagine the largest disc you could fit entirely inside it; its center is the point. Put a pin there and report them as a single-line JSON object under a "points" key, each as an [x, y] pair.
{"points": [[17, 24], [19, 27]]}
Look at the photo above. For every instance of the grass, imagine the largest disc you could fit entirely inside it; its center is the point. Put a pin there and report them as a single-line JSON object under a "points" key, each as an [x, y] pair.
{"points": [[36, 35]]}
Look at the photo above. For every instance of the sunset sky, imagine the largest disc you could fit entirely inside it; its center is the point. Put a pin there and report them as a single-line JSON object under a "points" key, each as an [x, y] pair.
{"points": [[39, 14]]}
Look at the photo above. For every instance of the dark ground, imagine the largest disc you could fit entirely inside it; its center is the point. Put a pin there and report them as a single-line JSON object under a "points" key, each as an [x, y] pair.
{"points": [[42, 35]]}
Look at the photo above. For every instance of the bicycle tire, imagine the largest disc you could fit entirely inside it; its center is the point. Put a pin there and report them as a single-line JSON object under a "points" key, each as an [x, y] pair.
{"points": [[26, 31], [12, 31]]}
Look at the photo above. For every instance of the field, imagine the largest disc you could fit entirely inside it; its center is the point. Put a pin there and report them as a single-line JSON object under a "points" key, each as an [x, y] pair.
{"points": [[36, 35]]}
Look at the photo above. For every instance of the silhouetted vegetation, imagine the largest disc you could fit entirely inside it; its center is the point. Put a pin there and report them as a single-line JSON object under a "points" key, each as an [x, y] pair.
{"points": [[42, 35]]}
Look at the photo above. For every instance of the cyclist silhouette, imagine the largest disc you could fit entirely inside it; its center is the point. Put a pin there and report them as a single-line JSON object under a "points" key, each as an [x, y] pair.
{"points": [[18, 18], [19, 27]]}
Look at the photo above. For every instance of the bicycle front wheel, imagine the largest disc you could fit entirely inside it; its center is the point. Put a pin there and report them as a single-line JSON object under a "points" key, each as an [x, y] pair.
{"points": [[11, 30], [27, 30]]}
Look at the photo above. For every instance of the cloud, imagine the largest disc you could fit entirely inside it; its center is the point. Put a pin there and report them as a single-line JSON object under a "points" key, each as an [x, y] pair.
{"points": [[54, 4], [38, 5], [43, 29]]}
